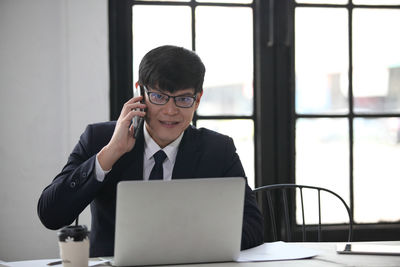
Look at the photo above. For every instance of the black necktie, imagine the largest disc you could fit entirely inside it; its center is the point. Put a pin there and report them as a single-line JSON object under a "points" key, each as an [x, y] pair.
{"points": [[157, 171]]}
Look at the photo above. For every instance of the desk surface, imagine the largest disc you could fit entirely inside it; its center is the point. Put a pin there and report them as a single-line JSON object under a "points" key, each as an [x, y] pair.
{"points": [[327, 256]]}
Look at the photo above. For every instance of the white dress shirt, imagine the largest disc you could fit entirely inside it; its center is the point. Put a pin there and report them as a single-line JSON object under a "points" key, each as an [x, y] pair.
{"points": [[150, 148]]}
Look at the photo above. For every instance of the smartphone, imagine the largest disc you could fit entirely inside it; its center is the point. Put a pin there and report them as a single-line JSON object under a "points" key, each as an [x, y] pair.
{"points": [[137, 121], [368, 249]]}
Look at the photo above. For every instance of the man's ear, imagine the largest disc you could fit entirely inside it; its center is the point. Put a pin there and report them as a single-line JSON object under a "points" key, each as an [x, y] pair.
{"points": [[197, 103]]}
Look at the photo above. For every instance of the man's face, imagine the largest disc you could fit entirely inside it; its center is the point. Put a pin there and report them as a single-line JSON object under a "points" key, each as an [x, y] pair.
{"points": [[166, 122]]}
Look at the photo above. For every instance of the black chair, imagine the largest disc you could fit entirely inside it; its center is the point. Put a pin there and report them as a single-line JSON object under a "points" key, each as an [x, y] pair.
{"points": [[285, 194]]}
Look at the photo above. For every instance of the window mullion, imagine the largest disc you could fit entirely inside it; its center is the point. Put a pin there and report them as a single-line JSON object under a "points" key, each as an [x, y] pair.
{"points": [[351, 111]]}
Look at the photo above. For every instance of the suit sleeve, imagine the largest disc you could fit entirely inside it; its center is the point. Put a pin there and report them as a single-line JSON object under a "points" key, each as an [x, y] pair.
{"points": [[71, 190], [253, 222]]}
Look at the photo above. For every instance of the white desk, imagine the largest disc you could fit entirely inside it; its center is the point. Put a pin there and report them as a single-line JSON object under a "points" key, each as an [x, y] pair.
{"points": [[327, 256]]}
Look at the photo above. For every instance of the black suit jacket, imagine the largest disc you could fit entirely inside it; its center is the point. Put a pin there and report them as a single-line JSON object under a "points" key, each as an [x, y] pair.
{"points": [[201, 154]]}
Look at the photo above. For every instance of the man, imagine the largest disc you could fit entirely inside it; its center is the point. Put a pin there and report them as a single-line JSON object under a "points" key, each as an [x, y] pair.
{"points": [[172, 79]]}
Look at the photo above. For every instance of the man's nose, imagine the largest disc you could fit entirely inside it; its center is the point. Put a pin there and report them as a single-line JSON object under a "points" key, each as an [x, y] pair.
{"points": [[170, 108]]}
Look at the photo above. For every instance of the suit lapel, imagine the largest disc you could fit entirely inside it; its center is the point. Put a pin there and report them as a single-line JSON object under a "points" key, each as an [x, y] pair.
{"points": [[131, 164], [187, 157]]}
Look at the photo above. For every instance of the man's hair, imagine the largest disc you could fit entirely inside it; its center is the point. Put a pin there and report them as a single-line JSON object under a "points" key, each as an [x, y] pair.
{"points": [[172, 68]]}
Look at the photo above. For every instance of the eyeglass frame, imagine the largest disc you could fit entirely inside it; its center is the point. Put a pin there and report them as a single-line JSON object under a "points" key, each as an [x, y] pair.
{"points": [[194, 97]]}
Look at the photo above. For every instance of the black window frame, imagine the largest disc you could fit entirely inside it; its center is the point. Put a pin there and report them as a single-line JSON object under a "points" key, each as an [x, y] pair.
{"points": [[274, 114], [362, 231]]}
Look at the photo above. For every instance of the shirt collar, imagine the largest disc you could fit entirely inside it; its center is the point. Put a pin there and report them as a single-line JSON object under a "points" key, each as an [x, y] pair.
{"points": [[151, 147]]}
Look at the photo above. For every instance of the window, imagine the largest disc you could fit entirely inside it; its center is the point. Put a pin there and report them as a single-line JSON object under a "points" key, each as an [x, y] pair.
{"points": [[221, 32], [347, 103], [309, 90]]}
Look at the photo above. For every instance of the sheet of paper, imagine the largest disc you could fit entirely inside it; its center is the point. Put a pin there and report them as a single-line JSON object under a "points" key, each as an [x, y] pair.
{"points": [[43, 263], [276, 251]]}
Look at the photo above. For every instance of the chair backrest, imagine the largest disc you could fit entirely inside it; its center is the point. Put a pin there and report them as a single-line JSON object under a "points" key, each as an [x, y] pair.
{"points": [[285, 194]]}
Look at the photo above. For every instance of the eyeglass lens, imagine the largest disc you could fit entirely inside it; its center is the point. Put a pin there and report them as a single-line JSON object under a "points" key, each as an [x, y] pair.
{"points": [[180, 101]]}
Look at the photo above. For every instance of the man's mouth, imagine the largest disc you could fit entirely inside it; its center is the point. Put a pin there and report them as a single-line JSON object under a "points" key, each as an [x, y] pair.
{"points": [[169, 123]]}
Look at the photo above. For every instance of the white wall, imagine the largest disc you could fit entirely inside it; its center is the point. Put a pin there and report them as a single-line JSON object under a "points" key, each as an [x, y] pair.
{"points": [[54, 79]]}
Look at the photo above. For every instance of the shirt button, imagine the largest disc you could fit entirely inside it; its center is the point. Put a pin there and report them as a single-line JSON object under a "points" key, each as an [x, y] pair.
{"points": [[84, 175], [72, 184]]}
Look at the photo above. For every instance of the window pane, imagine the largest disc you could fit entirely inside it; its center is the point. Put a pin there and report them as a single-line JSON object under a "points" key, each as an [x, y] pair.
{"points": [[321, 60], [242, 132], [153, 26], [376, 2], [224, 41], [322, 159], [376, 171], [376, 60], [323, 1], [167, 0], [226, 1]]}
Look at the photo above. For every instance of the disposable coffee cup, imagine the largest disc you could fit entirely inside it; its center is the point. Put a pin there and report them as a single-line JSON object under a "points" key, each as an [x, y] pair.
{"points": [[73, 242]]}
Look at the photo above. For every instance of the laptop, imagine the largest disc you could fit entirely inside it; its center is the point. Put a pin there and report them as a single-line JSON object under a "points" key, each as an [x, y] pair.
{"points": [[178, 221]]}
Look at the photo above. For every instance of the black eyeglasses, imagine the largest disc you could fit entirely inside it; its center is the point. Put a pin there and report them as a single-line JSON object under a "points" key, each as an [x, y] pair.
{"points": [[162, 99]]}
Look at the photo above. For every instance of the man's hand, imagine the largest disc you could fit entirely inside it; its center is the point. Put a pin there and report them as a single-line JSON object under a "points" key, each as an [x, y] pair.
{"points": [[122, 140]]}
